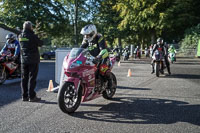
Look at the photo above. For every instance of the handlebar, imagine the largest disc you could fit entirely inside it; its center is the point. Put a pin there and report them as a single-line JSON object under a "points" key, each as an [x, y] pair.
{"points": [[6, 58]]}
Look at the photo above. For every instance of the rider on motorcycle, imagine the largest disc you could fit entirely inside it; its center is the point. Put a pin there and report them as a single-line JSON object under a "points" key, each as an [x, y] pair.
{"points": [[116, 49], [172, 50], [117, 52], [137, 52], [97, 48], [126, 52], [160, 47], [13, 46]]}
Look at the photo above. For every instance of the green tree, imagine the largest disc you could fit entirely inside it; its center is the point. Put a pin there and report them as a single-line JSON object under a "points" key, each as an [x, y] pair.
{"points": [[181, 15], [145, 18]]}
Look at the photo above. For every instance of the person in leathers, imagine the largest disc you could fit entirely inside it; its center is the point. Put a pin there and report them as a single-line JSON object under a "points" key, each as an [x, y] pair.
{"points": [[97, 48], [160, 47], [13, 46]]}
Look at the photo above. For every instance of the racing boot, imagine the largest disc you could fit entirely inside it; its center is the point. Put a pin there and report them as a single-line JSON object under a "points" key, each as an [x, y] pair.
{"points": [[153, 71], [168, 69]]}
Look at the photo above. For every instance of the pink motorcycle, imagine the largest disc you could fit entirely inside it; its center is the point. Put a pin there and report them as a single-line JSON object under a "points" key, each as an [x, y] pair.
{"points": [[82, 80]]}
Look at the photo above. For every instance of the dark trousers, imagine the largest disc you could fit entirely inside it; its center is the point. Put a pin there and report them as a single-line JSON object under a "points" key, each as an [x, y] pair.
{"points": [[28, 82], [167, 64]]}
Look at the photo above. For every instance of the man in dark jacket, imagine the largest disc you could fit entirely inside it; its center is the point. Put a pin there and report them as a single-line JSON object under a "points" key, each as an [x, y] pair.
{"points": [[30, 59]]}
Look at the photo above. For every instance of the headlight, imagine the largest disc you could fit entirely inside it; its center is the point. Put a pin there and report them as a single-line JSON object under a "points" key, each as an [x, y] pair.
{"points": [[73, 65], [65, 64]]}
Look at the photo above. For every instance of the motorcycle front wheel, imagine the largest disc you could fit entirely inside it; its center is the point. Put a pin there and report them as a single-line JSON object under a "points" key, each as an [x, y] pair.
{"points": [[68, 99], [110, 92], [3, 75], [157, 69]]}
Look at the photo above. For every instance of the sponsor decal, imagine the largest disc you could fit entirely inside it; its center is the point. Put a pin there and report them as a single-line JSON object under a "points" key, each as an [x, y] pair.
{"points": [[88, 72]]}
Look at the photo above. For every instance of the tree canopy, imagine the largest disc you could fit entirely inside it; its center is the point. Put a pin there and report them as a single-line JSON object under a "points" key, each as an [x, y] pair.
{"points": [[122, 22]]}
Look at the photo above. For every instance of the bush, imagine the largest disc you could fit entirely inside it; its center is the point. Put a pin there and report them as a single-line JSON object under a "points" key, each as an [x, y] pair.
{"points": [[191, 39]]}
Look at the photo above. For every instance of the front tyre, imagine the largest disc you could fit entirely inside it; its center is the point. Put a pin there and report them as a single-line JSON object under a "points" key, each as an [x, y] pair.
{"points": [[109, 92], [157, 69], [68, 99], [3, 74]]}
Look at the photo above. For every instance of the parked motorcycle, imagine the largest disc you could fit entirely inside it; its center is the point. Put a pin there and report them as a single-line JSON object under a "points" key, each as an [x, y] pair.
{"points": [[8, 68], [158, 63], [82, 80]]}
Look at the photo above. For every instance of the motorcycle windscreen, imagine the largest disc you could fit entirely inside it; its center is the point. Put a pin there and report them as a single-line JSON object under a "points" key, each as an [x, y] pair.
{"points": [[75, 52]]}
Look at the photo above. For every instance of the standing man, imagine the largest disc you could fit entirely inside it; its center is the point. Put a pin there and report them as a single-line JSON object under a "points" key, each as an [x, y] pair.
{"points": [[166, 58], [30, 59]]}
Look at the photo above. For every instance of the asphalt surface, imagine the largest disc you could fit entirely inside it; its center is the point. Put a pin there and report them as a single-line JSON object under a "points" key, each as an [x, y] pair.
{"points": [[143, 103]]}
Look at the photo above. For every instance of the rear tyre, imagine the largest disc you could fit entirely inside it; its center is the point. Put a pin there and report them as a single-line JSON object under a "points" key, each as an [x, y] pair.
{"points": [[68, 99], [110, 92], [157, 68], [3, 75]]}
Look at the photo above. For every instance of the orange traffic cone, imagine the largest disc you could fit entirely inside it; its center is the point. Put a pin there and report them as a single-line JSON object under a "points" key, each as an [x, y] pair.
{"points": [[50, 86], [119, 63], [129, 73]]}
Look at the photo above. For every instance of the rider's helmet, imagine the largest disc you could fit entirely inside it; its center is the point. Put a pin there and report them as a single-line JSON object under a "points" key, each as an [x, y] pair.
{"points": [[171, 46], [160, 41], [89, 32], [10, 37], [126, 47]]}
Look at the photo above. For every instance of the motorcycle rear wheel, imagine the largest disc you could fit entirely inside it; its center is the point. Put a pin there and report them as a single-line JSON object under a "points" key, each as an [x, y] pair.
{"points": [[110, 92], [3, 75], [68, 99]]}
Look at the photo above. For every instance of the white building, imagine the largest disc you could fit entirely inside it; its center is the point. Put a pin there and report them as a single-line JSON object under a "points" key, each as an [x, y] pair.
{"points": [[3, 34]]}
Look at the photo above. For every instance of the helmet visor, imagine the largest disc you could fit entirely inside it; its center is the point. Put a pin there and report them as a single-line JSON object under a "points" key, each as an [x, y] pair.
{"points": [[89, 36], [9, 40]]}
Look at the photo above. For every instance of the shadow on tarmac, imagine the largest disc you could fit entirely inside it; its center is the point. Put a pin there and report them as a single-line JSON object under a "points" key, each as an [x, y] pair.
{"points": [[184, 76], [47, 102], [131, 110], [132, 88], [187, 63], [11, 91]]}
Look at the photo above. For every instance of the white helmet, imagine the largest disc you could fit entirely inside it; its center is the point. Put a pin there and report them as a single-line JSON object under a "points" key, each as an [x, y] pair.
{"points": [[89, 32]]}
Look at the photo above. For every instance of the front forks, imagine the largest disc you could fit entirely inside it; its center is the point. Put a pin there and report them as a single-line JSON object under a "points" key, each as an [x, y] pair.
{"points": [[4, 68]]}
